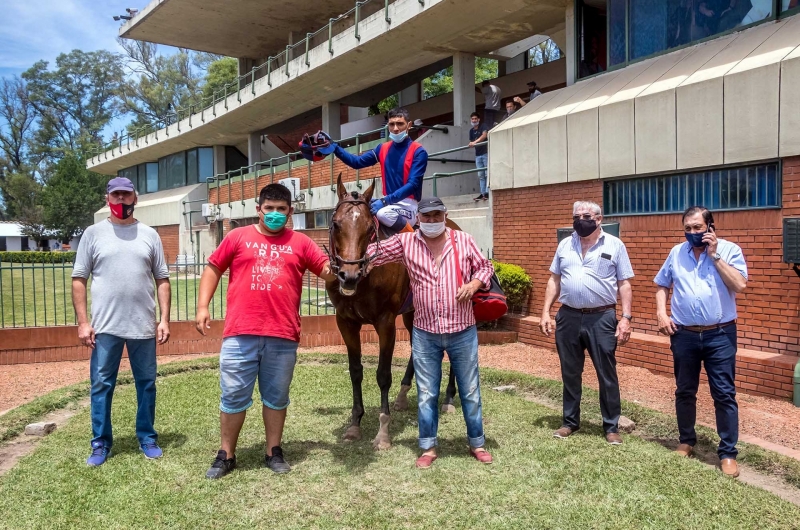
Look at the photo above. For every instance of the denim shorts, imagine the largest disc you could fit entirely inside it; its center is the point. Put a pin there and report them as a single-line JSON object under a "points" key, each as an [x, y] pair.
{"points": [[245, 357]]}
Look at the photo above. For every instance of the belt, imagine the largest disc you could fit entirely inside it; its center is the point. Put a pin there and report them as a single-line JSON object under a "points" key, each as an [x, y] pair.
{"points": [[699, 329], [590, 309]]}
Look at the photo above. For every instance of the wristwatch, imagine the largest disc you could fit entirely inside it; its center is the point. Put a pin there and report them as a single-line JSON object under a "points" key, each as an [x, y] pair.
{"points": [[629, 317], [716, 257]]}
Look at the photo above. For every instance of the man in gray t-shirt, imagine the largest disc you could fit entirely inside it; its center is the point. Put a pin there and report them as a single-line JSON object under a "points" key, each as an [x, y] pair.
{"points": [[123, 257], [491, 102]]}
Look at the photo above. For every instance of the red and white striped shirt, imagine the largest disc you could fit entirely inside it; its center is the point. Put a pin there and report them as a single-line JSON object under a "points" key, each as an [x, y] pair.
{"points": [[435, 288]]}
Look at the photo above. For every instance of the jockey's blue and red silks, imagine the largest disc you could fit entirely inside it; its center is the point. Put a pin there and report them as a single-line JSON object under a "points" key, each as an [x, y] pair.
{"points": [[396, 184]]}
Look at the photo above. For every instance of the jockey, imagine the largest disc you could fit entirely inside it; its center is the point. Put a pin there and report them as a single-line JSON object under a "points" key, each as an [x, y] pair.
{"points": [[403, 163]]}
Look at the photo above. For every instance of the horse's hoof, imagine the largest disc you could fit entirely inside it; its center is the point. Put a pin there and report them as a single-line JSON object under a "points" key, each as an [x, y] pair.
{"points": [[352, 434], [448, 408], [381, 443], [401, 403]]}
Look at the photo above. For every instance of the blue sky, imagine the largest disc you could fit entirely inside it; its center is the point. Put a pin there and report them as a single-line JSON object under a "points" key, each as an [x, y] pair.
{"points": [[31, 30]]}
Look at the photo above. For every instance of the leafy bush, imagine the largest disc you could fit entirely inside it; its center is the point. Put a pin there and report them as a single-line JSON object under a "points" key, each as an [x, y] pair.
{"points": [[37, 257], [516, 284]]}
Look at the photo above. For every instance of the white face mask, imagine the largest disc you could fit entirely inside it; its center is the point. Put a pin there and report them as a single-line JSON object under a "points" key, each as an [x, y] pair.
{"points": [[432, 229]]}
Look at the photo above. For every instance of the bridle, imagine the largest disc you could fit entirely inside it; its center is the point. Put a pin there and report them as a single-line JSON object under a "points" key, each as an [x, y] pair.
{"points": [[337, 261]]}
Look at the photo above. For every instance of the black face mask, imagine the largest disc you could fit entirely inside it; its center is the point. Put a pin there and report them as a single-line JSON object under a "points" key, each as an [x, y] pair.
{"points": [[584, 227]]}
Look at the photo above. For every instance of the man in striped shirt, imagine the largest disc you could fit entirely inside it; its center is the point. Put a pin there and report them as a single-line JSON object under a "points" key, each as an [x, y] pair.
{"points": [[443, 321], [588, 271]]}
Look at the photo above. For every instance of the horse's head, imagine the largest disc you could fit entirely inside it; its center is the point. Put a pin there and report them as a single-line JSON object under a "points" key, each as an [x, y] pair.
{"points": [[352, 229]]}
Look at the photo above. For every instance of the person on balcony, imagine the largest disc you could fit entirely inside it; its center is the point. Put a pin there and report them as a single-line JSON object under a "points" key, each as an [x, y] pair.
{"points": [[403, 164], [477, 135], [123, 258]]}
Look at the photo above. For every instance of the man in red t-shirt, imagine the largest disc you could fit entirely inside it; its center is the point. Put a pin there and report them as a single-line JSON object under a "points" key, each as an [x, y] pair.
{"points": [[262, 325]]}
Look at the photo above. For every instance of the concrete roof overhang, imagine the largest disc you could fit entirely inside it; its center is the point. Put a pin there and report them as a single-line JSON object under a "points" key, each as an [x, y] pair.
{"points": [[418, 37], [236, 28]]}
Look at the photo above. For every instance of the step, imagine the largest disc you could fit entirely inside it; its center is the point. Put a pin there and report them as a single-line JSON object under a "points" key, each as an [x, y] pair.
{"points": [[463, 202]]}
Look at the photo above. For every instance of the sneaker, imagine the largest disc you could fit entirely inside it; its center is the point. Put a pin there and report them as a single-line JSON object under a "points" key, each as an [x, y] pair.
{"points": [[276, 462], [479, 198], [486, 197], [99, 454], [222, 465], [151, 450]]}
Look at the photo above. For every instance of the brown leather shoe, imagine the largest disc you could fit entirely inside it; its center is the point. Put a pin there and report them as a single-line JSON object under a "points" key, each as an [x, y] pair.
{"points": [[614, 438], [684, 450], [729, 467], [563, 432]]}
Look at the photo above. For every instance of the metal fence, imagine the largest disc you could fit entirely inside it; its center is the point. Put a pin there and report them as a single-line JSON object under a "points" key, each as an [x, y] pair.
{"points": [[40, 294], [274, 65]]}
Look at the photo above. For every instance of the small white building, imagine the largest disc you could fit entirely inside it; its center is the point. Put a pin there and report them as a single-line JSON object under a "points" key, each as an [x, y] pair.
{"points": [[12, 240]]}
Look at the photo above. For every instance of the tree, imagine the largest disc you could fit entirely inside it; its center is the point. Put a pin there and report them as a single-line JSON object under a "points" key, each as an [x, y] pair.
{"points": [[71, 197], [158, 84], [17, 111], [219, 73], [75, 101], [544, 52], [22, 194]]}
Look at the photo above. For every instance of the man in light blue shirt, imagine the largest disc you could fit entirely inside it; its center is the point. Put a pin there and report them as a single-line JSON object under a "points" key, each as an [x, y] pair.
{"points": [[705, 274], [589, 270]]}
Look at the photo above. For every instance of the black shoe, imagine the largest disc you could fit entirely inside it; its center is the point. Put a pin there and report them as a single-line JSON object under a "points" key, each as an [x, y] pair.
{"points": [[478, 198], [276, 462], [221, 466], [485, 196]]}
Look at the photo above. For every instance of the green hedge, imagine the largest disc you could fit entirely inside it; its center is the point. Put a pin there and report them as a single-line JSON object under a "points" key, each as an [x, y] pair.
{"points": [[515, 282], [37, 257]]}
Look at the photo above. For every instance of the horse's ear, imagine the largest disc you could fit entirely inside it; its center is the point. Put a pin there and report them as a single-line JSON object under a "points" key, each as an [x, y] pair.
{"points": [[341, 191], [369, 192]]}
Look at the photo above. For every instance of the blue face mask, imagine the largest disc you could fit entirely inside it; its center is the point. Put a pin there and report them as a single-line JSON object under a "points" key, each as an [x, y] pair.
{"points": [[275, 220], [399, 137], [696, 239]]}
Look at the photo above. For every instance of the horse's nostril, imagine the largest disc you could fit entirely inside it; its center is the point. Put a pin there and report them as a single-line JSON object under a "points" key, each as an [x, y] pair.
{"points": [[342, 276]]}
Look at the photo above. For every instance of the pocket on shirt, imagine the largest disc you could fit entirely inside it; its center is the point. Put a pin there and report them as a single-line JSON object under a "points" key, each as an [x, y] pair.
{"points": [[604, 268]]}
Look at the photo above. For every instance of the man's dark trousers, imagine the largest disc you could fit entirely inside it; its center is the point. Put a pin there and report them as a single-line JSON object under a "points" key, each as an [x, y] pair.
{"points": [[716, 350], [576, 332]]}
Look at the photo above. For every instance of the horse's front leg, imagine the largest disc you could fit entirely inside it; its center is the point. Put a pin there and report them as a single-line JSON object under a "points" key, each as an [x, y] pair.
{"points": [[351, 333], [401, 401], [386, 338], [447, 406]]}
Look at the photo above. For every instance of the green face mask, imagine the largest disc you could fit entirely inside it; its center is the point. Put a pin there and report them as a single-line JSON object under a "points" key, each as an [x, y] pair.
{"points": [[275, 220]]}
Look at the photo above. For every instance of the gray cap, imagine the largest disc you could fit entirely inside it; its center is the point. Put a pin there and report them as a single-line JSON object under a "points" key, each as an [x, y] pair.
{"points": [[119, 184], [431, 204]]}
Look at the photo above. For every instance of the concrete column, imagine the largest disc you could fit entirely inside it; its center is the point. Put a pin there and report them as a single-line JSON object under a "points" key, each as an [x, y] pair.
{"points": [[331, 119], [219, 159], [571, 44], [410, 95], [463, 88], [254, 148], [357, 113], [516, 64]]}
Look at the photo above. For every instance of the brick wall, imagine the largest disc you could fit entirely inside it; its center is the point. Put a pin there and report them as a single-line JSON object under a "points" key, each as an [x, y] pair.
{"points": [[769, 310], [170, 239]]}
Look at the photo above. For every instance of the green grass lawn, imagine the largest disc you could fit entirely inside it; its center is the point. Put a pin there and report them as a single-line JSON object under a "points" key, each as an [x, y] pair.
{"points": [[535, 482], [42, 296]]}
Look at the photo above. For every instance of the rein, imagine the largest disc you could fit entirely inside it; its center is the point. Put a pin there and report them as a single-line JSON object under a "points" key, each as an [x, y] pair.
{"points": [[336, 260]]}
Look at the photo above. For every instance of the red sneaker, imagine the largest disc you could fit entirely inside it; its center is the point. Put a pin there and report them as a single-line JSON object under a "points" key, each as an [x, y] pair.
{"points": [[426, 461], [481, 455]]}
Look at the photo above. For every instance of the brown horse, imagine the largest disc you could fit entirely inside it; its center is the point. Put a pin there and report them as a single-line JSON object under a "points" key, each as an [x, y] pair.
{"points": [[375, 298]]}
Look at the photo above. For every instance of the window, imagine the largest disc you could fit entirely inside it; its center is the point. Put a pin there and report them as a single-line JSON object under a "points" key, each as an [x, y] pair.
{"points": [[790, 5], [614, 32], [175, 168], [191, 166], [318, 219], [152, 176], [205, 164], [543, 53], [720, 189], [141, 186]]}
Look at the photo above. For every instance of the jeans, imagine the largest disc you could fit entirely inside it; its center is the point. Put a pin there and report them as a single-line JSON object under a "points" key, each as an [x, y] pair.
{"points": [[244, 358], [462, 349], [481, 162], [576, 332], [104, 367], [716, 350]]}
